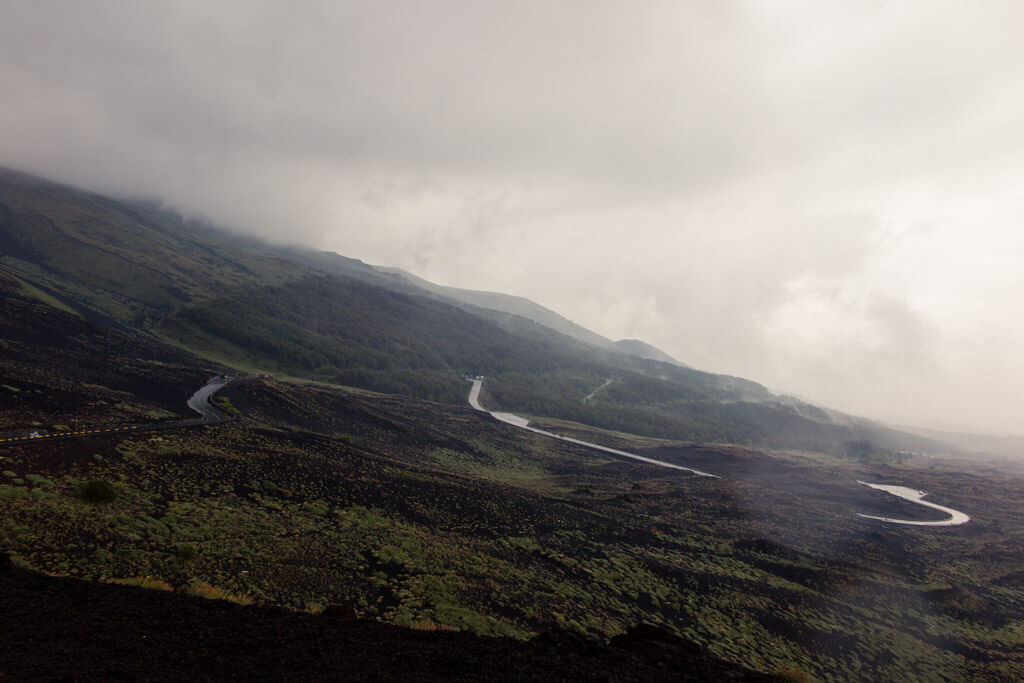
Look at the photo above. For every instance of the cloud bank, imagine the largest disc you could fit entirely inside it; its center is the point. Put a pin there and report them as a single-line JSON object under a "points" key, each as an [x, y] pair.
{"points": [[827, 200]]}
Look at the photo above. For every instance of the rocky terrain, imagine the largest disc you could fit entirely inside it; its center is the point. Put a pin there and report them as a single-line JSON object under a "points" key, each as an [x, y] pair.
{"points": [[62, 629]]}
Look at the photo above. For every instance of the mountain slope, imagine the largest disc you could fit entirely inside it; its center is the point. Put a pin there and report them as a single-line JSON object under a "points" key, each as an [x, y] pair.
{"points": [[505, 303], [143, 269], [51, 626], [328, 499], [435, 516], [635, 347], [128, 263]]}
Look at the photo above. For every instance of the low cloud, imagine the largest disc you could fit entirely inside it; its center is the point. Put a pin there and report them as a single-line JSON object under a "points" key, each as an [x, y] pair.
{"points": [[824, 199]]}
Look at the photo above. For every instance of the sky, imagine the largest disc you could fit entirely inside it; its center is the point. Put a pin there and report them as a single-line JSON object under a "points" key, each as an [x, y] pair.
{"points": [[823, 197]]}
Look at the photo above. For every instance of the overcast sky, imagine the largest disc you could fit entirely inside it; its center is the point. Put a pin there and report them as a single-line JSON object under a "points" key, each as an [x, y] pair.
{"points": [[824, 197]]}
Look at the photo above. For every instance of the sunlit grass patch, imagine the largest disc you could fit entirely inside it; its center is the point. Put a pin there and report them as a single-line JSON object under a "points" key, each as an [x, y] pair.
{"points": [[147, 582], [205, 590], [428, 625]]}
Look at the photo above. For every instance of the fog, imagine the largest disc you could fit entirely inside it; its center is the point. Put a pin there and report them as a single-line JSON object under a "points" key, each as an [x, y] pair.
{"points": [[826, 200]]}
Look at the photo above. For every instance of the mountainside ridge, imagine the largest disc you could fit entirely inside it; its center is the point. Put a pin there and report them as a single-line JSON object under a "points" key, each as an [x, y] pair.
{"points": [[318, 314], [507, 303]]}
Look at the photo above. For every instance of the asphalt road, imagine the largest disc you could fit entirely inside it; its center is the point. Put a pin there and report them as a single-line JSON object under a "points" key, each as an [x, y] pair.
{"points": [[523, 423], [955, 516], [201, 403], [914, 496]]}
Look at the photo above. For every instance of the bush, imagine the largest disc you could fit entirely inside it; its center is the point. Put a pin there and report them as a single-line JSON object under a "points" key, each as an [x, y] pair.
{"points": [[186, 552], [225, 405], [97, 491]]}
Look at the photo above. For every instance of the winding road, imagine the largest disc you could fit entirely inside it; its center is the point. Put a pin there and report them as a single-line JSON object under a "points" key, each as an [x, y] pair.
{"points": [[199, 402], [523, 423], [955, 516], [913, 495], [202, 404]]}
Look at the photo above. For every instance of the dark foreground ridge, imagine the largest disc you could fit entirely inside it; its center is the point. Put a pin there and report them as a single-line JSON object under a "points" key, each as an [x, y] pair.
{"points": [[66, 629]]}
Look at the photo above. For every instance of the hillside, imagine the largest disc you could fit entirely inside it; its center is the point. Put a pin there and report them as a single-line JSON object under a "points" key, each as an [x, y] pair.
{"points": [[504, 303], [125, 263], [435, 517], [234, 300], [51, 633], [635, 347]]}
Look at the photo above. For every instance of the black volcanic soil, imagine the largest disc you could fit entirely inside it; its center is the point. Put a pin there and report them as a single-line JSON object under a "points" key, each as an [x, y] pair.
{"points": [[63, 368], [64, 629]]}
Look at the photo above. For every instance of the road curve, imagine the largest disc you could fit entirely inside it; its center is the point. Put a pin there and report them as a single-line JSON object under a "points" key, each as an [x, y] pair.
{"points": [[523, 423], [913, 495], [199, 402]]}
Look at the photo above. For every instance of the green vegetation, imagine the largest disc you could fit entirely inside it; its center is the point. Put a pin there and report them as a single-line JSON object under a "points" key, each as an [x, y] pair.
{"points": [[186, 552], [224, 403], [356, 334], [47, 299], [435, 517]]}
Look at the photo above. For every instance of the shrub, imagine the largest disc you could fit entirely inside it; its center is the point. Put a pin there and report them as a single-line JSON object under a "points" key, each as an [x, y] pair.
{"points": [[186, 552], [97, 491], [225, 405]]}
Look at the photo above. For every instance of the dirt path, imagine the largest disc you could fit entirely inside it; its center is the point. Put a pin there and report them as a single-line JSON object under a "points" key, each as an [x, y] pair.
{"points": [[591, 394]]}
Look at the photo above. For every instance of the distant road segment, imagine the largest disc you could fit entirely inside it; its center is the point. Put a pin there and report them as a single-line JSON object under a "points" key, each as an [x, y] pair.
{"points": [[913, 495], [523, 423]]}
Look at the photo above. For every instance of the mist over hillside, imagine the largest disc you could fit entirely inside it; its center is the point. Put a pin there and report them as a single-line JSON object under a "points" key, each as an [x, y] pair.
{"points": [[325, 509], [824, 199], [511, 341], [316, 314]]}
